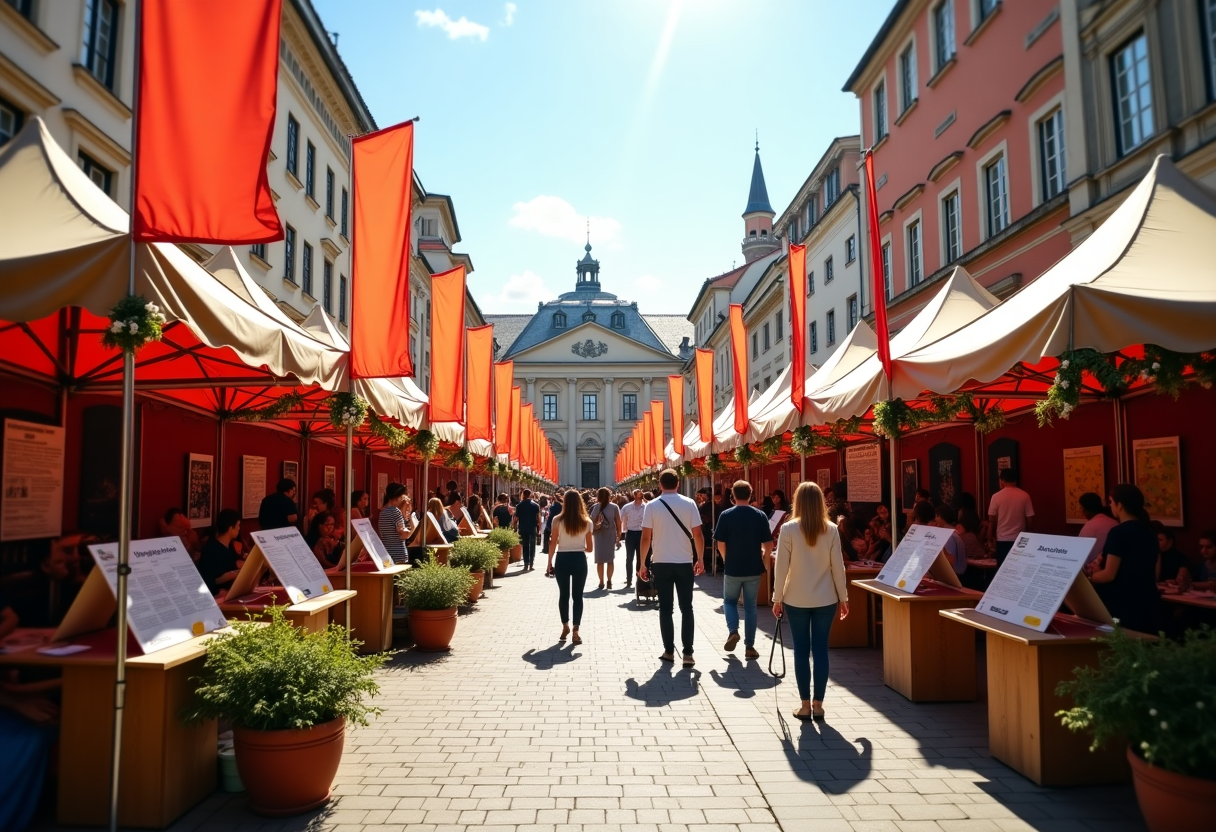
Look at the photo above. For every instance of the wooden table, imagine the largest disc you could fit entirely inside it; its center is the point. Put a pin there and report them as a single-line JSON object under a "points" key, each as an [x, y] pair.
{"points": [[924, 658], [167, 766], [1024, 667], [860, 628], [371, 610], [311, 615], [1190, 599]]}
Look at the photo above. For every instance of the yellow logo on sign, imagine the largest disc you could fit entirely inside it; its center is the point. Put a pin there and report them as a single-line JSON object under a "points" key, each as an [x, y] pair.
{"points": [[325, 587], [197, 628], [1032, 621], [901, 584]]}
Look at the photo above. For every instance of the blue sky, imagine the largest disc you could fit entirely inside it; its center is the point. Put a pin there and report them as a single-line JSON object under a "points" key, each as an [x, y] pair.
{"points": [[639, 114]]}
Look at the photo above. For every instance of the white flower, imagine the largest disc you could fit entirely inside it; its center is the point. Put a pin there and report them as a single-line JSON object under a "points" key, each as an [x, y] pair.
{"points": [[1156, 365], [1064, 364], [1152, 711], [1144, 745], [1064, 384], [1199, 705], [116, 327], [133, 327], [1165, 726]]}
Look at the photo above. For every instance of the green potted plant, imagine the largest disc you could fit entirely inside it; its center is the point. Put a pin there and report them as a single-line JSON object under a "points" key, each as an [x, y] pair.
{"points": [[289, 696], [1156, 695], [433, 592], [477, 555], [506, 540]]}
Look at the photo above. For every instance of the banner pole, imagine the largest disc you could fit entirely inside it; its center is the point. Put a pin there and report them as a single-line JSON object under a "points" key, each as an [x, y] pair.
{"points": [[348, 480]]}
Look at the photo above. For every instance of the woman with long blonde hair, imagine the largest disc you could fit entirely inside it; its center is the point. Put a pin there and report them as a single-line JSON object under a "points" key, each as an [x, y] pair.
{"points": [[568, 547], [809, 590]]}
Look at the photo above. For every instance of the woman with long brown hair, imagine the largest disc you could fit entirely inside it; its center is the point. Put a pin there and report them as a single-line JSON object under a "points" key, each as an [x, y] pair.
{"points": [[809, 589], [568, 560], [606, 533]]}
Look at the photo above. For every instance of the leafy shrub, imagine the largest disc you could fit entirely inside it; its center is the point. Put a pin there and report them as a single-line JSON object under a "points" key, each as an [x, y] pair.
{"points": [[504, 539], [274, 676], [433, 586], [475, 554], [1157, 695]]}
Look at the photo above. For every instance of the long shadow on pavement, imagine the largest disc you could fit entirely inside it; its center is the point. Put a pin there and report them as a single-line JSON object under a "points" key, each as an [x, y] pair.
{"points": [[551, 657], [744, 679], [667, 685], [820, 754]]}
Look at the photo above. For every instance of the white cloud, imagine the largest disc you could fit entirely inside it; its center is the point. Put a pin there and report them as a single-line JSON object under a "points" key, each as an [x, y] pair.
{"points": [[552, 216], [462, 28], [509, 11], [520, 293]]}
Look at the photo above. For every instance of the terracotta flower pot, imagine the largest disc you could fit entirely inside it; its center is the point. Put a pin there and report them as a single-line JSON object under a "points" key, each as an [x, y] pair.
{"points": [[289, 772], [475, 589], [517, 553], [433, 629], [1171, 802], [501, 568]]}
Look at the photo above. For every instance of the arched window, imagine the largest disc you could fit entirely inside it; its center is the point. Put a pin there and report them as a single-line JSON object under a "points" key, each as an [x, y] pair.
{"points": [[618, 320], [559, 320], [588, 316]]}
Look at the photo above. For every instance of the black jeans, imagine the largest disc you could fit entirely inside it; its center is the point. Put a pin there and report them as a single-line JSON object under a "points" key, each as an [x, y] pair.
{"points": [[570, 570], [674, 579], [633, 542], [529, 543]]}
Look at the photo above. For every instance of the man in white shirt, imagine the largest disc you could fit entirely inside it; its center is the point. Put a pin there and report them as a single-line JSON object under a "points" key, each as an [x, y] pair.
{"points": [[1097, 523], [671, 527], [1009, 514], [631, 516]]}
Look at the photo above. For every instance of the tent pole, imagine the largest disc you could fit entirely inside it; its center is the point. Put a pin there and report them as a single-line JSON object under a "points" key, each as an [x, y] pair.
{"points": [[713, 556], [219, 463], [894, 449], [348, 480]]}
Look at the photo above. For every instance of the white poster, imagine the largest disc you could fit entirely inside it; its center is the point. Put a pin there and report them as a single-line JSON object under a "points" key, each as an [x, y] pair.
{"points": [[294, 564], [910, 561], [167, 600], [31, 503], [381, 487], [372, 542], [863, 466], [1032, 582], [253, 485]]}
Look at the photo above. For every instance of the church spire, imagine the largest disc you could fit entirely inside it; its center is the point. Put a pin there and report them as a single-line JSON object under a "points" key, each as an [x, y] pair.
{"points": [[758, 217], [757, 197]]}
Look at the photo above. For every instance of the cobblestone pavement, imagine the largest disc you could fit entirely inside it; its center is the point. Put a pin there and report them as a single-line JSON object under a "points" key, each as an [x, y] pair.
{"points": [[512, 732]]}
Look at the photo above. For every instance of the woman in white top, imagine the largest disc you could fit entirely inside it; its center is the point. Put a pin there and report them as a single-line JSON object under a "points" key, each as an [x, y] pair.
{"points": [[568, 548], [809, 589]]}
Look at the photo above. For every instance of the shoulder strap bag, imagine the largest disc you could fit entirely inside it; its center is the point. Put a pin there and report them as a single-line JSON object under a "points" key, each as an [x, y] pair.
{"points": [[683, 528]]}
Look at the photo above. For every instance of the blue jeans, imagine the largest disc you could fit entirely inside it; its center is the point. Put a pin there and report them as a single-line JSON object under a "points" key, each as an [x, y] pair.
{"points": [[633, 542], [809, 628], [750, 587]]}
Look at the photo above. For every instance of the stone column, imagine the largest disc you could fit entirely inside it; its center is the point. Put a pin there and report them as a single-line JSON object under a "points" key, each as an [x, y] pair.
{"points": [[532, 397], [571, 453], [609, 442], [645, 395]]}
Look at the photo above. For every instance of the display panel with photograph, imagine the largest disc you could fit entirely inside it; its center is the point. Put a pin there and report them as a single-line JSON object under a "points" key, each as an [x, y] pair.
{"points": [[330, 478], [1084, 471], [200, 469], [291, 470], [909, 482], [1159, 476]]}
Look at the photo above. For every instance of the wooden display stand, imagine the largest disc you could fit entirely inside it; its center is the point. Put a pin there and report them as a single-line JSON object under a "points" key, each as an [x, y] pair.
{"points": [[924, 658], [858, 629], [167, 766], [371, 609], [245, 599]]}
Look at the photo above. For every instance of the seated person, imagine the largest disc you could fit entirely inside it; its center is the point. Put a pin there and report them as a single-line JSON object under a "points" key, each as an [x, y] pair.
{"points": [[175, 523], [454, 512], [1098, 522], [325, 539], [882, 548], [323, 501], [1126, 581], [278, 510], [360, 505], [481, 520], [220, 560], [968, 530], [848, 537], [1169, 560], [41, 598], [447, 526], [1205, 574], [945, 517]]}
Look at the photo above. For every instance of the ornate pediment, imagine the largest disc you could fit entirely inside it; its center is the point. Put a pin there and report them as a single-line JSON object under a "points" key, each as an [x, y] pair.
{"points": [[589, 348]]}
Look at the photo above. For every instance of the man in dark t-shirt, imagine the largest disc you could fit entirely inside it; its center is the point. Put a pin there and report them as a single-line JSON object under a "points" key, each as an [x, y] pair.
{"points": [[218, 563], [502, 512], [527, 523], [278, 510], [745, 542]]}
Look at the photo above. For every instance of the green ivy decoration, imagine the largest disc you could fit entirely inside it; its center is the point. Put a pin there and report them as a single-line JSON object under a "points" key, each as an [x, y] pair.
{"points": [[425, 443], [985, 419], [393, 436], [346, 410], [840, 431], [744, 455], [894, 418], [804, 441], [714, 465], [277, 409], [134, 322], [772, 446], [688, 470], [1065, 392], [460, 458], [1166, 369]]}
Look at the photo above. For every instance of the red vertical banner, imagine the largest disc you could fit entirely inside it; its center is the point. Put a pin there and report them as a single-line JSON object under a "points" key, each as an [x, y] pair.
{"points": [[383, 169], [504, 374], [200, 173], [516, 425], [646, 458], [878, 284], [797, 281], [526, 436], [479, 361], [447, 346], [675, 395], [705, 394], [660, 457], [738, 346]]}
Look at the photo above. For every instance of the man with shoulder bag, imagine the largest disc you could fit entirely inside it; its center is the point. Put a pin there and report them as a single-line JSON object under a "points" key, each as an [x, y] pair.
{"points": [[671, 525]]}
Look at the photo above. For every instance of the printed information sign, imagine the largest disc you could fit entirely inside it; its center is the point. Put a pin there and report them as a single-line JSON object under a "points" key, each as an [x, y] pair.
{"points": [[31, 486], [863, 465], [294, 564], [372, 542], [910, 561], [1031, 584]]}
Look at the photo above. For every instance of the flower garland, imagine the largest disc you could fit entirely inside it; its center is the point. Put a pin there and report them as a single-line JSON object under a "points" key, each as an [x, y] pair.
{"points": [[133, 323], [895, 418], [688, 470], [841, 430], [393, 436], [772, 446], [346, 410], [460, 458], [804, 441], [744, 455], [277, 409], [425, 443], [714, 465]]}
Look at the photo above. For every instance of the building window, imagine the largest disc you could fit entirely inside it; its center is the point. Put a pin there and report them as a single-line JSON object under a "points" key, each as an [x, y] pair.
{"points": [[293, 146], [755, 345], [810, 283], [345, 198], [996, 195], [559, 320], [880, 115], [986, 8], [589, 407], [548, 407], [1209, 30], [629, 407], [831, 327], [829, 271], [306, 270], [814, 336], [618, 320], [342, 298], [329, 193], [1051, 152], [831, 188], [907, 77], [100, 40], [812, 211], [258, 250], [943, 34], [289, 253], [767, 340], [310, 171], [852, 312], [915, 265], [952, 234], [1133, 94], [12, 119], [588, 316], [25, 8], [850, 249], [102, 176], [780, 326], [886, 269], [327, 286]]}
